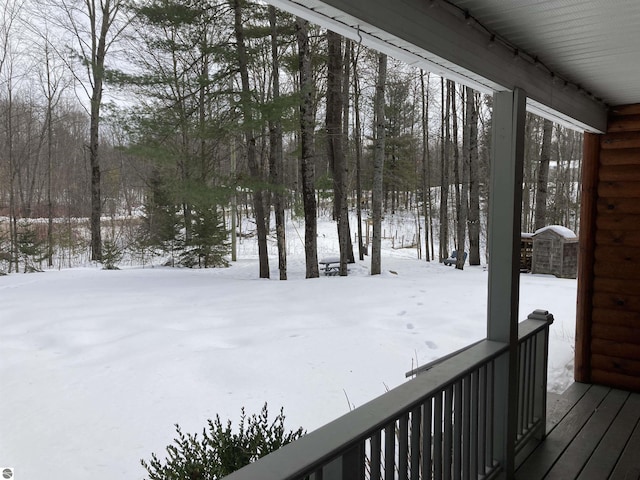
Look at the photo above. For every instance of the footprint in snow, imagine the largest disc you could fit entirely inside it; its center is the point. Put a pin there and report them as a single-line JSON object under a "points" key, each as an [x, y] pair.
{"points": [[410, 326], [431, 345], [403, 312]]}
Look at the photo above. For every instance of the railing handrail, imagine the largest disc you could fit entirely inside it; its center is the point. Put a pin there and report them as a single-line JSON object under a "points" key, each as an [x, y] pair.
{"points": [[526, 330]]}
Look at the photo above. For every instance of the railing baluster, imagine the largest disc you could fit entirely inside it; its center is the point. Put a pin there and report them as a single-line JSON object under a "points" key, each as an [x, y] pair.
{"points": [[427, 439], [491, 371], [458, 423], [521, 392], [473, 435], [466, 408], [415, 443], [533, 348], [353, 463], [403, 449], [448, 433], [530, 367], [389, 451], [437, 438], [482, 413], [376, 456]]}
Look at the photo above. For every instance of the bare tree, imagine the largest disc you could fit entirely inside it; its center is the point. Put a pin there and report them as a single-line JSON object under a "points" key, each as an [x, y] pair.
{"points": [[307, 153], [358, 147], [426, 166], [335, 144], [543, 176], [378, 166], [53, 83], [445, 146], [10, 13], [275, 152], [474, 180], [250, 137], [95, 26]]}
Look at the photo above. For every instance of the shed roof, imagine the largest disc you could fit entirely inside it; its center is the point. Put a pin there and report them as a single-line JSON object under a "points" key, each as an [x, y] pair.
{"points": [[557, 229]]}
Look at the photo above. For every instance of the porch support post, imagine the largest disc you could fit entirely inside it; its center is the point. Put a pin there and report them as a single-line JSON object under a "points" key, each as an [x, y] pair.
{"points": [[505, 212]]}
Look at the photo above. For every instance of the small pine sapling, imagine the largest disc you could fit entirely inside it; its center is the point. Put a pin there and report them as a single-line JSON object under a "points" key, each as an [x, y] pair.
{"points": [[111, 255]]}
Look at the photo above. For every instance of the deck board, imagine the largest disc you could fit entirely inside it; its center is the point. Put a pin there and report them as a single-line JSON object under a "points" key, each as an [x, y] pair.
{"points": [[577, 454], [559, 405], [628, 466], [593, 434], [549, 451], [604, 459]]}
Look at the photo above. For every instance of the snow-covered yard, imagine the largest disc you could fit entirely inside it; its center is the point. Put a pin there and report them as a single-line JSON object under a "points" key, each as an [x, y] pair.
{"points": [[97, 366]]}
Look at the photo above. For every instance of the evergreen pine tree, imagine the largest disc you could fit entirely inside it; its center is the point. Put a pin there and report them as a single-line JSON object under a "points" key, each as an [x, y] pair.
{"points": [[32, 250], [208, 245], [160, 222]]}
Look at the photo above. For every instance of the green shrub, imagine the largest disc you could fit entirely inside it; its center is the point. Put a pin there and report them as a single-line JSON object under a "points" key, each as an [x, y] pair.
{"points": [[111, 255], [220, 451]]}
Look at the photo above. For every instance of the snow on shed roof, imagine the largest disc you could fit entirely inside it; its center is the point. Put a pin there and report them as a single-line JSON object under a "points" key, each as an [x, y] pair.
{"points": [[559, 229]]}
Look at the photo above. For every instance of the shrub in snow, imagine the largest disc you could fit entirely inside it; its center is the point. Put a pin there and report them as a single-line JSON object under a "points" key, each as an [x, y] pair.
{"points": [[111, 255], [32, 249], [220, 451], [208, 246]]}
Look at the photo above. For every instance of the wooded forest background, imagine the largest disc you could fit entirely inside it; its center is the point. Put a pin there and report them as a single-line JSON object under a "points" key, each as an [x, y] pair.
{"points": [[154, 129]]}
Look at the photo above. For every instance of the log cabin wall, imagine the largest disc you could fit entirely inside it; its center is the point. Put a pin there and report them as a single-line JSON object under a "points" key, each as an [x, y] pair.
{"points": [[608, 313]]}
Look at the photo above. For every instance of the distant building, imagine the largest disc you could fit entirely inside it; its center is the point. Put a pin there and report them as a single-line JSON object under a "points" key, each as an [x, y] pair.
{"points": [[555, 252]]}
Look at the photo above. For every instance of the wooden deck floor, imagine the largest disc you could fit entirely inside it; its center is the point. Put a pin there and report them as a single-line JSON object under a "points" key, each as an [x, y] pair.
{"points": [[593, 434]]}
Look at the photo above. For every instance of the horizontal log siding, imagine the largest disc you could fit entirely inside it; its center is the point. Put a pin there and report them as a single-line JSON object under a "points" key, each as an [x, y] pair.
{"points": [[613, 330]]}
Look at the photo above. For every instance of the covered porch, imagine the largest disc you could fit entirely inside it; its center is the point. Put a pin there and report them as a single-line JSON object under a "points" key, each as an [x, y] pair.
{"points": [[484, 412]]}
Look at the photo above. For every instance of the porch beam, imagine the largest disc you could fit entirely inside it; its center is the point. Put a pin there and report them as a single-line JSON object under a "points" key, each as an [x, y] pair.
{"points": [[433, 35], [505, 212]]}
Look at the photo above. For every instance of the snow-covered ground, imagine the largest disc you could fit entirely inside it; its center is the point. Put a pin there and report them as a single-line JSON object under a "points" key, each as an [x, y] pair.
{"points": [[97, 366]]}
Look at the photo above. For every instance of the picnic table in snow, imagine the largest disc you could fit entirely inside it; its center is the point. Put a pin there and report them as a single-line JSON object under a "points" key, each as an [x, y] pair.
{"points": [[330, 265]]}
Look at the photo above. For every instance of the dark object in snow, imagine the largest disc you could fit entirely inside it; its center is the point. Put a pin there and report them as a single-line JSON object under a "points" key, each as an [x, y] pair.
{"points": [[330, 265], [453, 258]]}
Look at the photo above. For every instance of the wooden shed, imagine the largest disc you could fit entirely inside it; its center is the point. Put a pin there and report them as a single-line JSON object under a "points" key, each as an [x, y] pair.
{"points": [[555, 252]]}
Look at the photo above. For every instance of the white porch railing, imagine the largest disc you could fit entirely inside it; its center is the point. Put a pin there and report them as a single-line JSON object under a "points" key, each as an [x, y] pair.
{"points": [[439, 425]]}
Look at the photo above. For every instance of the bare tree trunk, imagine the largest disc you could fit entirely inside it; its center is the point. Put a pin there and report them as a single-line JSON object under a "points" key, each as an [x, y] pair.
{"points": [[543, 175], [252, 160], [474, 182], [275, 154], [358, 143], [97, 70], [13, 213], [49, 93], [335, 151], [444, 173], [469, 117], [306, 148], [461, 208], [426, 170], [378, 167], [345, 136]]}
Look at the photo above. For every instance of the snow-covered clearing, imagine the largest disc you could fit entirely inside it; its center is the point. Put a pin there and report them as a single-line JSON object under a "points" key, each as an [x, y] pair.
{"points": [[97, 366]]}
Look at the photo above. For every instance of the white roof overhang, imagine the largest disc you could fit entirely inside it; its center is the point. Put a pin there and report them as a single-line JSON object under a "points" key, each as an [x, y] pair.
{"points": [[439, 37]]}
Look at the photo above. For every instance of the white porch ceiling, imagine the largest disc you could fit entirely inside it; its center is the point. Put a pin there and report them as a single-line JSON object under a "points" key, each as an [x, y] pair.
{"points": [[574, 57], [595, 43]]}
